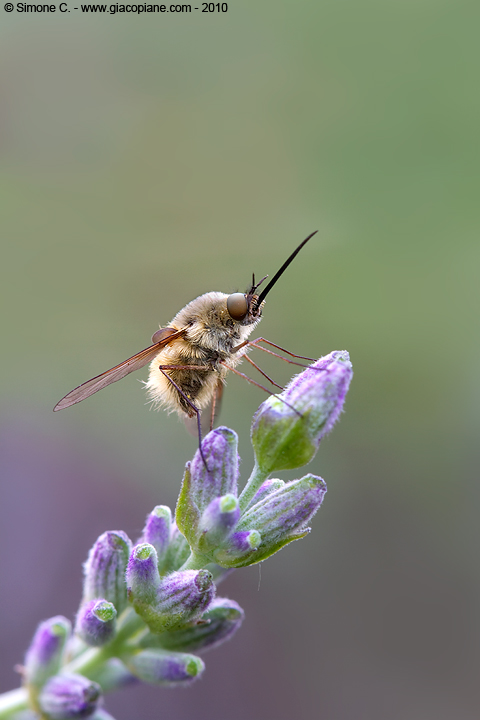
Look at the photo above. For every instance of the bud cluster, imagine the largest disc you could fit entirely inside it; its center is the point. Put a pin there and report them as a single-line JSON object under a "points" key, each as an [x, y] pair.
{"points": [[147, 607], [234, 530], [218, 530]]}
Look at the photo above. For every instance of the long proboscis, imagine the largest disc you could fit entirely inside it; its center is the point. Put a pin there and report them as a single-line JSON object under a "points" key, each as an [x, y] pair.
{"points": [[280, 272]]}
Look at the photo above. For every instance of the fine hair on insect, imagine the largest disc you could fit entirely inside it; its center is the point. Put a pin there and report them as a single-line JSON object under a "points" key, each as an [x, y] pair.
{"points": [[191, 357]]}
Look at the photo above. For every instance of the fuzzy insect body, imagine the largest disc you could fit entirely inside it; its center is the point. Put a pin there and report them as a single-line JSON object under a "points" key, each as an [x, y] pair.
{"points": [[190, 359], [209, 341]]}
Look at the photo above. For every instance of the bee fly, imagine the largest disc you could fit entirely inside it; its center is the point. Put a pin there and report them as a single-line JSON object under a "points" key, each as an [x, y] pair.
{"points": [[191, 357]]}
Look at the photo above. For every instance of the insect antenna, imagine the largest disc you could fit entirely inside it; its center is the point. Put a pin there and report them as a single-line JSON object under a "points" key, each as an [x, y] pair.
{"points": [[251, 291]]}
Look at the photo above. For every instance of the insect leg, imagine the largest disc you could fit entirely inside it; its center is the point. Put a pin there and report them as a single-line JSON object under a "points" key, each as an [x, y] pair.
{"points": [[262, 387], [301, 357], [253, 343], [263, 373], [195, 409], [215, 402]]}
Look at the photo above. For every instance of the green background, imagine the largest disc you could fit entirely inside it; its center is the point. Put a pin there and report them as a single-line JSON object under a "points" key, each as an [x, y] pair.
{"points": [[148, 159]]}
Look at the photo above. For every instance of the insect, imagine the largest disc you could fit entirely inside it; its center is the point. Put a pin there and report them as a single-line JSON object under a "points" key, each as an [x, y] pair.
{"points": [[191, 357]]}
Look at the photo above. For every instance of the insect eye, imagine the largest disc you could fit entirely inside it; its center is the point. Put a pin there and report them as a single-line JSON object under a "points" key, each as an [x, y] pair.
{"points": [[237, 306]]}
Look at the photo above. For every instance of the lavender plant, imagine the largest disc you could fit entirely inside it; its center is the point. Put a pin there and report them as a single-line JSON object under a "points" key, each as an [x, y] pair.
{"points": [[148, 610]]}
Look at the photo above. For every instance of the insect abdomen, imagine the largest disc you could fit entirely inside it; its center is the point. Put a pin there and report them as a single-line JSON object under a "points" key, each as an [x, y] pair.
{"points": [[197, 385]]}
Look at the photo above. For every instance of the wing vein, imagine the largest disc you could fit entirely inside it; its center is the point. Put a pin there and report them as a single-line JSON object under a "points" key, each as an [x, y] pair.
{"points": [[119, 371]]}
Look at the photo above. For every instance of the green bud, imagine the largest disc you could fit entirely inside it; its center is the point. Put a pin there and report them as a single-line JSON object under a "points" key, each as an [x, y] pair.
{"points": [[287, 428]]}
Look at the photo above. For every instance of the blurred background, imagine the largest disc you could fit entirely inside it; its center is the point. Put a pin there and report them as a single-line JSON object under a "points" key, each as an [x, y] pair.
{"points": [[148, 159]]}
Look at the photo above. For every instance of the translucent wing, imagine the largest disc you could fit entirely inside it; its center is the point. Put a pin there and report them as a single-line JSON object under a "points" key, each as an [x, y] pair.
{"points": [[163, 337]]}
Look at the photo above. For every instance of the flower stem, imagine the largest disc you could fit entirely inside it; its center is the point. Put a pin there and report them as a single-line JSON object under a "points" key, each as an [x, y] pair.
{"points": [[88, 661], [255, 480], [13, 702], [195, 562]]}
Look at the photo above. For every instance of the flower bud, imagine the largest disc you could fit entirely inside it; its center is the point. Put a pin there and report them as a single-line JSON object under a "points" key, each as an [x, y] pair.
{"points": [[105, 569], [269, 486], [205, 481], [69, 696], [159, 667], [287, 429], [157, 531], [237, 550], [181, 597], [44, 656], [218, 624], [142, 576], [281, 516], [184, 596], [96, 622], [217, 521]]}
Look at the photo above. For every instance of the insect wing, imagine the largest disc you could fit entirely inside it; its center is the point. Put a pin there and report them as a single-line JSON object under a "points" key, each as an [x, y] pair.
{"points": [[119, 371]]}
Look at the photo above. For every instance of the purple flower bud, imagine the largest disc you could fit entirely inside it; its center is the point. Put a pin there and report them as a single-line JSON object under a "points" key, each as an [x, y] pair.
{"points": [[282, 516], [105, 569], [157, 530], [165, 668], [218, 624], [217, 521], [143, 579], [181, 597], [287, 429], [96, 622], [44, 656], [220, 452], [202, 484], [237, 550], [69, 696], [266, 489]]}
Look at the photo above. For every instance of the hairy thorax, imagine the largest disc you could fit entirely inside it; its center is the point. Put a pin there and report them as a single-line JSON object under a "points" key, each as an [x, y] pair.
{"points": [[211, 336]]}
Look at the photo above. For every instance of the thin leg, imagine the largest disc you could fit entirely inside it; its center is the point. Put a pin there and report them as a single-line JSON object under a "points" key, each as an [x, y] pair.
{"points": [[253, 343], [262, 387], [301, 357], [187, 400], [245, 377], [261, 371], [216, 396], [290, 362]]}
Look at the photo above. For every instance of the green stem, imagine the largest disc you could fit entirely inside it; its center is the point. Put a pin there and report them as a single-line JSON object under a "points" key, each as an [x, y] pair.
{"points": [[88, 662], [13, 702], [129, 623], [256, 479], [195, 562]]}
